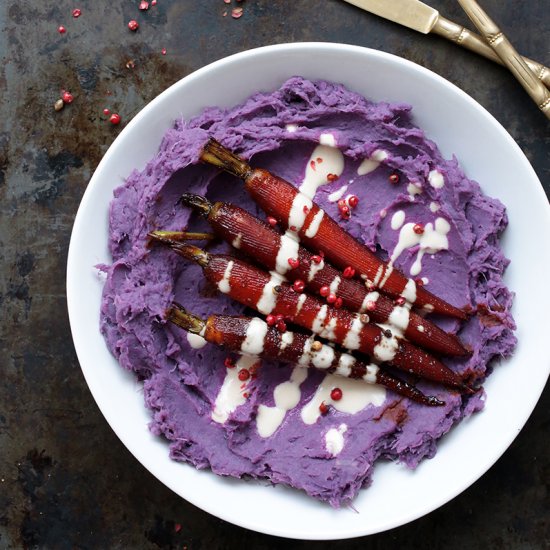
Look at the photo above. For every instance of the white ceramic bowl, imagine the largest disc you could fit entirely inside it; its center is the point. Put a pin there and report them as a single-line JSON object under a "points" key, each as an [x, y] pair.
{"points": [[487, 153]]}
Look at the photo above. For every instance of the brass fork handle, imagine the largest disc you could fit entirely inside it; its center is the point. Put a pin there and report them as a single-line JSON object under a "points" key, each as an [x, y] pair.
{"points": [[475, 43], [510, 57]]}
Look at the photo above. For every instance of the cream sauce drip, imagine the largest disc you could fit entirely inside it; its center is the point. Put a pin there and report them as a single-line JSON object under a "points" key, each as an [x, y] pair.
{"points": [[223, 284], [301, 301], [371, 297], [288, 249], [237, 241], [315, 224], [436, 179], [232, 394], [314, 269], [371, 164], [414, 189], [196, 341], [268, 299], [386, 349], [397, 220], [433, 240], [286, 396], [334, 440], [353, 337], [355, 397], [253, 343], [338, 194], [325, 160]]}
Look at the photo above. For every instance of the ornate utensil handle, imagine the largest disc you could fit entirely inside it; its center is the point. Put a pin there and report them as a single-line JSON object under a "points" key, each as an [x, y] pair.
{"points": [[473, 42], [510, 57]]}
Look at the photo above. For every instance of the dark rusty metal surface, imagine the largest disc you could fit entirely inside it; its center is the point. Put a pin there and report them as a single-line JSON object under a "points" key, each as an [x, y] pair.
{"points": [[66, 481]]}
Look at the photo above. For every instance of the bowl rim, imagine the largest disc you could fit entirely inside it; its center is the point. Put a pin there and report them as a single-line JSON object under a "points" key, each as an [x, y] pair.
{"points": [[72, 268]]}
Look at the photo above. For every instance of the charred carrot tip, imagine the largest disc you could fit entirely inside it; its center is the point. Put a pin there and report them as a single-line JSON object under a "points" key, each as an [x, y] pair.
{"points": [[215, 153], [193, 253], [187, 251], [178, 315], [433, 401], [174, 237], [467, 389], [196, 202]]}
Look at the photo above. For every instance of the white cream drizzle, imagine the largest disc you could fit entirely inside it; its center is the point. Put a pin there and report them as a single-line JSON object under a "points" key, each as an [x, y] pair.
{"points": [[301, 301], [224, 285], [315, 223], [305, 357], [370, 297], [314, 269], [409, 292], [327, 139], [328, 331], [232, 393], [370, 375], [301, 205], [334, 440], [387, 347], [253, 344], [319, 321], [397, 220], [322, 358], [433, 240], [291, 128], [268, 299], [434, 207], [436, 179], [355, 397], [286, 339], [331, 161], [378, 276], [370, 164], [237, 241], [414, 189], [286, 396], [288, 249], [345, 363], [196, 341], [338, 194], [388, 269], [335, 284], [399, 319], [353, 337]]}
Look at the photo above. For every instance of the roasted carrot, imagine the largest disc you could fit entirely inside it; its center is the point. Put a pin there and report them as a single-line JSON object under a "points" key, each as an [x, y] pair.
{"points": [[318, 231], [271, 296], [269, 248], [250, 335]]}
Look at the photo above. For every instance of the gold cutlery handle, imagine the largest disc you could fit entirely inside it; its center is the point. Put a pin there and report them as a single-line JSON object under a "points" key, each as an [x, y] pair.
{"points": [[462, 36], [510, 57]]}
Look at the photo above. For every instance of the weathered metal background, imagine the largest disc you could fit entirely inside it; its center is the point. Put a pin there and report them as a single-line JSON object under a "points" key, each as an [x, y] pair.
{"points": [[66, 481]]}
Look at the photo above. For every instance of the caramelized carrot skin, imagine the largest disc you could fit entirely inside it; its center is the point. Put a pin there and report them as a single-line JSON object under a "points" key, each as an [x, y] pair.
{"points": [[262, 242], [275, 196], [231, 332], [248, 284], [253, 236]]}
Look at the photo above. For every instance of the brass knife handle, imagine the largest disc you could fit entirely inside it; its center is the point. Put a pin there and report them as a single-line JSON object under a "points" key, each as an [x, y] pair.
{"points": [[464, 37]]}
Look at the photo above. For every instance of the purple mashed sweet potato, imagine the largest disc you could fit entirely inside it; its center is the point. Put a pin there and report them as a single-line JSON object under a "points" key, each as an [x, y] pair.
{"points": [[333, 457]]}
